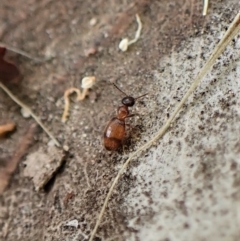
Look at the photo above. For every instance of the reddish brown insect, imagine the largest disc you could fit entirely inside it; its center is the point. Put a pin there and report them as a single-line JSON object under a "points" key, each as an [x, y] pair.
{"points": [[115, 131]]}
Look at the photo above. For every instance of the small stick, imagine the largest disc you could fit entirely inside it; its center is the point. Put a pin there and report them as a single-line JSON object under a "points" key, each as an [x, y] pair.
{"points": [[21, 52], [229, 35], [7, 128], [205, 7], [24, 106]]}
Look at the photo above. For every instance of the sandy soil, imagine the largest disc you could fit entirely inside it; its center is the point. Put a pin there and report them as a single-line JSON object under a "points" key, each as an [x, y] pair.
{"points": [[175, 41]]}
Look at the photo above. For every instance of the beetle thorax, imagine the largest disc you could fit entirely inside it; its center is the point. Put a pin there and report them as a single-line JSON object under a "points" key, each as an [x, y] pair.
{"points": [[122, 112]]}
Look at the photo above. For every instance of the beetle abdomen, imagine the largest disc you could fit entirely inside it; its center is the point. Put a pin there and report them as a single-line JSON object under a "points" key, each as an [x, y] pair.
{"points": [[114, 134], [112, 144]]}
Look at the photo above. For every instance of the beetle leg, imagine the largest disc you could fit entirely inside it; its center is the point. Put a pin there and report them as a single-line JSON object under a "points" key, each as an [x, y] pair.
{"points": [[131, 115]]}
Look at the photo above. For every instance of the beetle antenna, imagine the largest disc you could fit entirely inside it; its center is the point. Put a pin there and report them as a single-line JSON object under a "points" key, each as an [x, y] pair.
{"points": [[119, 89], [140, 96]]}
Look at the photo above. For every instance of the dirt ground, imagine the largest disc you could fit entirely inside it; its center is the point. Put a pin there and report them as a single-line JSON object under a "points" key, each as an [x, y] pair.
{"points": [[160, 64]]}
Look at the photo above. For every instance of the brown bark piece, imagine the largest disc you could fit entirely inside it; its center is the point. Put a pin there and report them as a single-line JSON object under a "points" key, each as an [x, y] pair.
{"points": [[7, 171]]}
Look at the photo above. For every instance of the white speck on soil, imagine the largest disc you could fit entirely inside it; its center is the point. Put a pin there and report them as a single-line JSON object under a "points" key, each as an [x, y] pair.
{"points": [[72, 223]]}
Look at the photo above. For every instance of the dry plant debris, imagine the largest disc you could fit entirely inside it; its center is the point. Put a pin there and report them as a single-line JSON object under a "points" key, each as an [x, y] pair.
{"points": [[87, 83], [205, 7], [42, 164], [7, 171], [7, 128], [125, 43], [232, 31]]}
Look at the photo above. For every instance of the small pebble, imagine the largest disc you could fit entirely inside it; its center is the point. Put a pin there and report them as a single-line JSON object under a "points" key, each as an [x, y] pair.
{"points": [[66, 148]]}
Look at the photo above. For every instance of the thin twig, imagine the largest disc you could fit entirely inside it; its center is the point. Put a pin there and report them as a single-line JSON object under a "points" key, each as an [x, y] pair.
{"points": [[23, 53], [205, 7], [24, 106], [229, 35]]}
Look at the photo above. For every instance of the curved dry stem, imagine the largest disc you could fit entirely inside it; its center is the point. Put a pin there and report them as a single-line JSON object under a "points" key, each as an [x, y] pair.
{"points": [[138, 32], [67, 93], [125, 43], [229, 35], [20, 103], [87, 83]]}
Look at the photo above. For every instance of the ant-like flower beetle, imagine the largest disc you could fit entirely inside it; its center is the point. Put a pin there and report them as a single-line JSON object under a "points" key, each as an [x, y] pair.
{"points": [[115, 131]]}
